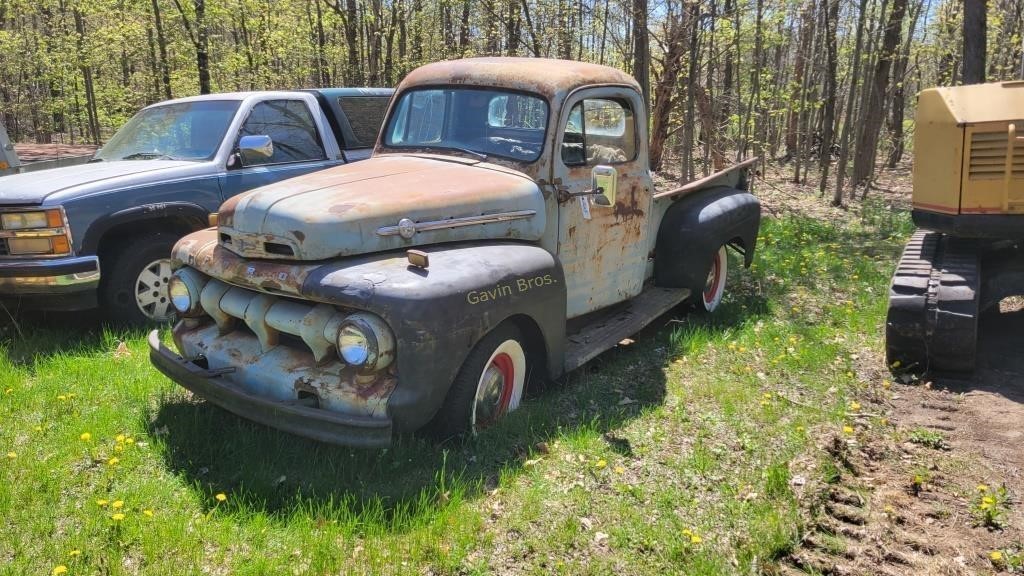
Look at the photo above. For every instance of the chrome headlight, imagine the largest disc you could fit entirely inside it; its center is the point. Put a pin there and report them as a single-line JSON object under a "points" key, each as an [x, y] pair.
{"points": [[366, 341], [185, 289]]}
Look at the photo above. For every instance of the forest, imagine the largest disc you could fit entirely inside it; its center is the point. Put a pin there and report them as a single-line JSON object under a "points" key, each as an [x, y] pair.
{"points": [[823, 87]]}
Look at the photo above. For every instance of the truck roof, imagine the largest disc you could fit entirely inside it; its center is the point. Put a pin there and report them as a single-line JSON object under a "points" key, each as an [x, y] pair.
{"points": [[548, 77], [328, 92]]}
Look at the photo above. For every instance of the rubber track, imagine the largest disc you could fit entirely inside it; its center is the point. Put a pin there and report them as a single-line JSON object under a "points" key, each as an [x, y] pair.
{"points": [[933, 306]]}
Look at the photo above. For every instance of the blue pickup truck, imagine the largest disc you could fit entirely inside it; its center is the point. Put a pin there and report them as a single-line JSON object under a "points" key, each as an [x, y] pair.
{"points": [[100, 234]]}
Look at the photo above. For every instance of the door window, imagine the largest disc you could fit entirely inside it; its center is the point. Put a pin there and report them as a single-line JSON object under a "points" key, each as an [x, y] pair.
{"points": [[291, 127], [599, 131]]}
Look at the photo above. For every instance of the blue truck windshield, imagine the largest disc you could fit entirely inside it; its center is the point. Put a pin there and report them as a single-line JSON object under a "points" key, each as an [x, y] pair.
{"points": [[477, 121], [181, 131]]}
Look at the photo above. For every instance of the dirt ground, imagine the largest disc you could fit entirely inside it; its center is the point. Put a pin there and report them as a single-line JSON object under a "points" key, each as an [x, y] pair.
{"points": [[910, 481], [37, 152]]}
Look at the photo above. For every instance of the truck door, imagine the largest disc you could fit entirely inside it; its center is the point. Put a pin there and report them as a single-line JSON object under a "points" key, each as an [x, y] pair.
{"points": [[603, 249], [298, 146]]}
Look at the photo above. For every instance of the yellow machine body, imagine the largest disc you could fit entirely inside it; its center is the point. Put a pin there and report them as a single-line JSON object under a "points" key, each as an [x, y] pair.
{"points": [[969, 150]]}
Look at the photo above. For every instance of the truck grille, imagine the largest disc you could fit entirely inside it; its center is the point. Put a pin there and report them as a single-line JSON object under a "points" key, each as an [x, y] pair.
{"points": [[273, 319], [988, 157]]}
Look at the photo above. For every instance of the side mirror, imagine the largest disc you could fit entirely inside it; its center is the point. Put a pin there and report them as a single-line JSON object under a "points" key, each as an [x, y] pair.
{"points": [[604, 182], [255, 149]]}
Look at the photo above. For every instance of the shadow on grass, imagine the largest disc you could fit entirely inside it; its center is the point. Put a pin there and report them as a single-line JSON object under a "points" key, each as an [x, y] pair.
{"points": [[29, 336], [416, 479]]}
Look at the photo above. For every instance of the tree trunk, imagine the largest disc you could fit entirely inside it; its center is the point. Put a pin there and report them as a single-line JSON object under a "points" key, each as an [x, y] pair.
{"points": [[664, 91], [161, 43], [899, 77], [844, 139], [863, 166], [641, 50], [974, 41], [828, 122]]}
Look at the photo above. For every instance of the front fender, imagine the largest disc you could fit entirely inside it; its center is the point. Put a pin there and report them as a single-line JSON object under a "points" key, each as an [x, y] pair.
{"points": [[695, 227], [439, 313]]}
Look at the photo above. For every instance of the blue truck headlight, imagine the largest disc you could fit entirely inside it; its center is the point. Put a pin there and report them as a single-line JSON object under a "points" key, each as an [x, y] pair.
{"points": [[185, 288], [366, 341]]}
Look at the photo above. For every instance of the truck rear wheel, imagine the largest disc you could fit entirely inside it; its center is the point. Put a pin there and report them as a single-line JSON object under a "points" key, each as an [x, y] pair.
{"points": [[488, 386], [135, 291], [714, 286]]}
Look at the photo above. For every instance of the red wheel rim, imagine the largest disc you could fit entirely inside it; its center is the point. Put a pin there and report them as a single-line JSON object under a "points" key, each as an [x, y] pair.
{"points": [[503, 362], [505, 367], [716, 269]]}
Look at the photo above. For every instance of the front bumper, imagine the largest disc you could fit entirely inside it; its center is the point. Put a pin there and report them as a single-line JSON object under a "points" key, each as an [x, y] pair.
{"points": [[293, 416], [49, 276]]}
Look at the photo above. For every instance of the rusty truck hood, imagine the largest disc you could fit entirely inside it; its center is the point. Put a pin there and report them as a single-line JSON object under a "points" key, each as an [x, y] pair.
{"points": [[356, 209]]}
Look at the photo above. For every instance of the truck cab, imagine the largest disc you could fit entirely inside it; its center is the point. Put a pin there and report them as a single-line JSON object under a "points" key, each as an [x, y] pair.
{"points": [[506, 229], [99, 234]]}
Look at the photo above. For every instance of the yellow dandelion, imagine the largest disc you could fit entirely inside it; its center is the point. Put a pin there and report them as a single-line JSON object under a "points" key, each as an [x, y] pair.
{"points": [[800, 428], [148, 512], [120, 438], [118, 504], [687, 532], [988, 500], [221, 497], [982, 488], [101, 503], [113, 461], [696, 539], [75, 553], [995, 556], [62, 397], [85, 437], [886, 384], [847, 429], [12, 455], [792, 339], [619, 470], [62, 569], [601, 463], [985, 506], [117, 517], [129, 440], [849, 374], [742, 349], [854, 406]]}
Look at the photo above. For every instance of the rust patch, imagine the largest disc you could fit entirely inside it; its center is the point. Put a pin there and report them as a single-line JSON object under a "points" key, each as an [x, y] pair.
{"points": [[340, 208], [623, 210], [299, 235]]}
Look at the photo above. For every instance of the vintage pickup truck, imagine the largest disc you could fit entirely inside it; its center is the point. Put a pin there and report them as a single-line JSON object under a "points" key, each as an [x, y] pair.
{"points": [[506, 230], [156, 180]]}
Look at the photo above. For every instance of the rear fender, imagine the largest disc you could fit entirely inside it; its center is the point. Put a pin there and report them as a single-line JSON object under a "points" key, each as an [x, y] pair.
{"points": [[439, 313], [695, 227]]}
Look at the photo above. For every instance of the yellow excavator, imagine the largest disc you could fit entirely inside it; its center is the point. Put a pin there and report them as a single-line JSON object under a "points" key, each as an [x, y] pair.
{"points": [[968, 205]]}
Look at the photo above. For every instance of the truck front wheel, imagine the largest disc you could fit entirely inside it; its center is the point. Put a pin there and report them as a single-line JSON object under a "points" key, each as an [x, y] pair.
{"points": [[135, 290], [714, 286], [488, 386]]}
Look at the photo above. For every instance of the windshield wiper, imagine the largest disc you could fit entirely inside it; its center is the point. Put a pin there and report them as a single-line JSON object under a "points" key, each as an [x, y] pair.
{"points": [[148, 156], [479, 155]]}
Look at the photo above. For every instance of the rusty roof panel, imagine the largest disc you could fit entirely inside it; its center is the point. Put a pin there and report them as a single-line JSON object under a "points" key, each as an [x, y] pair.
{"points": [[544, 76]]}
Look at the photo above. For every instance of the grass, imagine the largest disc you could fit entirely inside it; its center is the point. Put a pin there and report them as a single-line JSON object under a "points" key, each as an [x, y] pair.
{"points": [[671, 455]]}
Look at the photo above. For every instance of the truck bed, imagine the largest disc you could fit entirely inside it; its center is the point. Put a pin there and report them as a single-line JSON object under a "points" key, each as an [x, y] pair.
{"points": [[665, 187]]}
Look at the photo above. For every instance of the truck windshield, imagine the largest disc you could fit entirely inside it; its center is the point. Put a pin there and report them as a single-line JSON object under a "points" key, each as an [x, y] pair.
{"points": [[181, 131], [481, 122]]}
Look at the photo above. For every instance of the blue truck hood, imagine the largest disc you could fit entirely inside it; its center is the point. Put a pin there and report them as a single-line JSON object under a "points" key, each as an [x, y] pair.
{"points": [[60, 184]]}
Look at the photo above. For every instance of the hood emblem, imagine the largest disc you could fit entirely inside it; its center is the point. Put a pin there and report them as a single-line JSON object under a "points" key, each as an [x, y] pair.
{"points": [[406, 228]]}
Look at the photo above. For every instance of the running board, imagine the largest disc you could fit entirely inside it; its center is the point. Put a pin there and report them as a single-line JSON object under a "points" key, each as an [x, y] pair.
{"points": [[608, 329]]}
